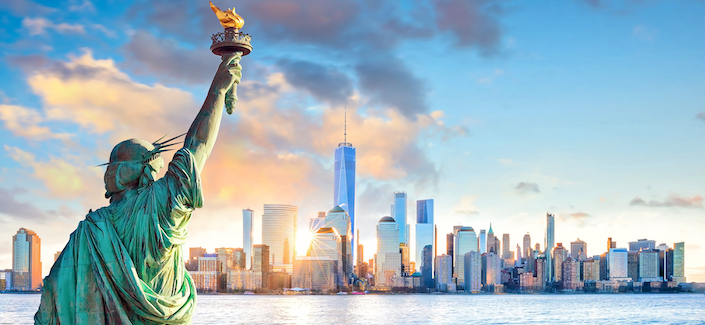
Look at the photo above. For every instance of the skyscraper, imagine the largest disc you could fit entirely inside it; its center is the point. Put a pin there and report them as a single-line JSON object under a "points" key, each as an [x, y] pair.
{"points": [[548, 244], [526, 247], [328, 243], [400, 216], [578, 250], [611, 244], [506, 254], [640, 244], [618, 264], [424, 230], [260, 265], [279, 233], [472, 267], [465, 241], [560, 254], [388, 262], [483, 241], [317, 223], [679, 262], [344, 187], [339, 219], [648, 265], [26, 261], [247, 221]]}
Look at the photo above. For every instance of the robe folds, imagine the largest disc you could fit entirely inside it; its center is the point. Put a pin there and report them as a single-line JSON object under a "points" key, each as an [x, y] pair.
{"points": [[124, 263]]}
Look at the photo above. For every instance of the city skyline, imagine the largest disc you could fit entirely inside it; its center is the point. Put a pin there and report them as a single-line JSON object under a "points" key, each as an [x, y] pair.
{"points": [[592, 114]]}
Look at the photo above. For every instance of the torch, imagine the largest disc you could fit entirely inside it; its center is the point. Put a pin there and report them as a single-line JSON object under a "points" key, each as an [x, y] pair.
{"points": [[231, 40]]}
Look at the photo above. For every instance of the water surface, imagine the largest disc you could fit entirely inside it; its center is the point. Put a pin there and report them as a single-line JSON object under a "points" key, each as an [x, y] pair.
{"points": [[422, 309]]}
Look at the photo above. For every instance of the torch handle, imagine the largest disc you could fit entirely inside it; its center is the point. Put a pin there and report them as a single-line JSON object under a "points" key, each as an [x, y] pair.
{"points": [[231, 99]]}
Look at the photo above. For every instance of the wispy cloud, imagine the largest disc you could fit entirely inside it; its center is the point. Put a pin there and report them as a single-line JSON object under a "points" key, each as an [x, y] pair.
{"points": [[695, 202], [39, 26], [700, 116], [527, 188]]}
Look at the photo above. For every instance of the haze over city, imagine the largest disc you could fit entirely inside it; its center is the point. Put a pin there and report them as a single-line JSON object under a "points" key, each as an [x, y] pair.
{"points": [[498, 111]]}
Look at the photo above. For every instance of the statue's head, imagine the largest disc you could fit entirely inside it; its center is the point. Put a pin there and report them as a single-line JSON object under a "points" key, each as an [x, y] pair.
{"points": [[133, 163]]}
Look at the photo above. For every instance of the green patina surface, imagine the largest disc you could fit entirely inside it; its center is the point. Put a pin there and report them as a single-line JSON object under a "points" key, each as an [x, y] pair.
{"points": [[123, 264]]}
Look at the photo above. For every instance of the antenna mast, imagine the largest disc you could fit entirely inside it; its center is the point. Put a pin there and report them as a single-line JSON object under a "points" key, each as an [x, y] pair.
{"points": [[345, 132]]}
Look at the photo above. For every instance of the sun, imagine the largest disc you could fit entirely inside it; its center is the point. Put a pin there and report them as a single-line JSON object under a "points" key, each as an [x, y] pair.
{"points": [[303, 240]]}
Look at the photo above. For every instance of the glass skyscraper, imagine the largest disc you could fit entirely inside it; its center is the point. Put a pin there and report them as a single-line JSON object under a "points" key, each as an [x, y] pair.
{"points": [[247, 218], [344, 191], [388, 262], [483, 241], [465, 241], [399, 215], [550, 242], [26, 261], [279, 233], [424, 230]]}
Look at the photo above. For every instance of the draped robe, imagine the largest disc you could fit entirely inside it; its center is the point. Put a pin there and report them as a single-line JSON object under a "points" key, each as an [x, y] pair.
{"points": [[124, 263]]}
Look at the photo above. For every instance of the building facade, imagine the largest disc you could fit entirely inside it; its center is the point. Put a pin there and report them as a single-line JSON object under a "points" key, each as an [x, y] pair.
{"points": [[465, 241], [560, 254], [344, 182], [388, 262], [578, 250], [640, 244], [618, 264], [248, 216], [425, 231], [548, 245], [648, 265], [473, 271], [279, 234], [26, 261], [444, 272]]}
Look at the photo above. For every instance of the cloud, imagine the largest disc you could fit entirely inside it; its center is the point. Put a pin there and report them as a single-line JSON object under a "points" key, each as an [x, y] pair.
{"points": [[578, 215], [700, 116], [695, 202], [39, 25], [526, 188], [68, 177], [326, 83], [283, 145], [164, 58], [86, 5], [100, 98], [21, 8], [10, 206], [466, 206], [581, 218], [389, 82], [319, 22], [25, 122], [473, 24]]}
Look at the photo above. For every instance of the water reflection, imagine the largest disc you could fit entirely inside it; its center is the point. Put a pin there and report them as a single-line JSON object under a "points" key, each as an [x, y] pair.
{"points": [[422, 309]]}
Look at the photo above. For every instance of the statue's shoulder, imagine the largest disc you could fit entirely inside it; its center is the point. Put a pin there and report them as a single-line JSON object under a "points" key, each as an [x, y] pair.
{"points": [[99, 215]]}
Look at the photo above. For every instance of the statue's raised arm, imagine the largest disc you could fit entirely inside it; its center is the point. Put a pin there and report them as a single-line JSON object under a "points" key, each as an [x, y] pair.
{"points": [[204, 129]]}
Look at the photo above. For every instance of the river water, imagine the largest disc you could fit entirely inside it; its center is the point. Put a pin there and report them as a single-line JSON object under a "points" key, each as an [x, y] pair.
{"points": [[423, 309]]}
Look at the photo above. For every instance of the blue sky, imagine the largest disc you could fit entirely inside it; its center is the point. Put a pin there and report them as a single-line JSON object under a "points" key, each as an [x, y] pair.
{"points": [[498, 110]]}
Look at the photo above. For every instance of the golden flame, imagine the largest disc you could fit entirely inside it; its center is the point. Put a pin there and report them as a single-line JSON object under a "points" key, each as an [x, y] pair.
{"points": [[228, 18]]}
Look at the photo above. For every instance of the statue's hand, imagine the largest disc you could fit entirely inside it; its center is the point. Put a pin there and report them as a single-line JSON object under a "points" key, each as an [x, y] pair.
{"points": [[229, 73]]}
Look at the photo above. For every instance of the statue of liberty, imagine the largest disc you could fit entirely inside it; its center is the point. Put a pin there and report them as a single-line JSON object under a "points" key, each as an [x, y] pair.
{"points": [[124, 264]]}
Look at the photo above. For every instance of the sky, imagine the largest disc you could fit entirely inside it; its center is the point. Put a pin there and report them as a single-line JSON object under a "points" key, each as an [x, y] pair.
{"points": [[500, 111]]}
